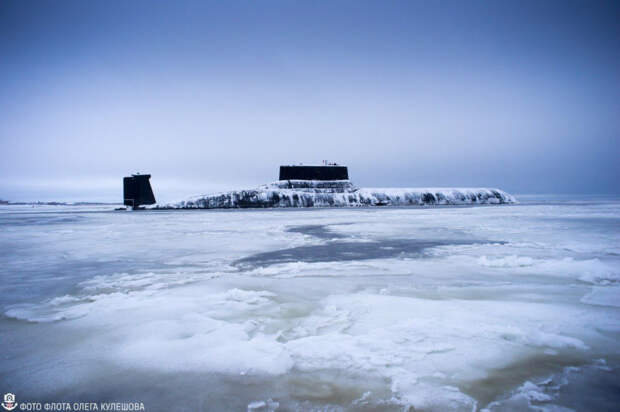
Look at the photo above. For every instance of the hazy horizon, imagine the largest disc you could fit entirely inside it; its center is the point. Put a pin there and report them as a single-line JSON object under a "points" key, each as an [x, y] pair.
{"points": [[207, 96], [110, 192]]}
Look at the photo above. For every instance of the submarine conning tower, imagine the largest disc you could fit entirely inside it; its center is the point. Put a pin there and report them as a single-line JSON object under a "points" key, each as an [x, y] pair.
{"points": [[137, 191], [327, 171]]}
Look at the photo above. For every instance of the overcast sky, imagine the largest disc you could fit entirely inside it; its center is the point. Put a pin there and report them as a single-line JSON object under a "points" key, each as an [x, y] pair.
{"points": [[205, 96]]}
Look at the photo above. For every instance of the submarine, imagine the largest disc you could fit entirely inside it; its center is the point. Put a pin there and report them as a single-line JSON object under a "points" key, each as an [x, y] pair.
{"points": [[329, 185]]}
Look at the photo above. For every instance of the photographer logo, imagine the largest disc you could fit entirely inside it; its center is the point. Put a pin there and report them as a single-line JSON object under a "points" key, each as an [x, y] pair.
{"points": [[9, 402]]}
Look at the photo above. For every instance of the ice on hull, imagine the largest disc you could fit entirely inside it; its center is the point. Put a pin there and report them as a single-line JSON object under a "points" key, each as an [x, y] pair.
{"points": [[342, 193]]}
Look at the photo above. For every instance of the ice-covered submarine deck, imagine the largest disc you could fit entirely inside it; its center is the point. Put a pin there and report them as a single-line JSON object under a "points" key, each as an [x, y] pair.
{"points": [[329, 186]]}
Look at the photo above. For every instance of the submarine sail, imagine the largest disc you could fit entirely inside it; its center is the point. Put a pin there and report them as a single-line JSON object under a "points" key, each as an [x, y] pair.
{"points": [[326, 172], [137, 191]]}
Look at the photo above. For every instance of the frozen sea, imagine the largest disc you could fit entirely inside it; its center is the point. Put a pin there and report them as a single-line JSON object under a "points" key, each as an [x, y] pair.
{"points": [[513, 307]]}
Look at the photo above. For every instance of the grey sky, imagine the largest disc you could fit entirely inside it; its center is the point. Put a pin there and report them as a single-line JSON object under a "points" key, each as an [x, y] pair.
{"points": [[205, 96]]}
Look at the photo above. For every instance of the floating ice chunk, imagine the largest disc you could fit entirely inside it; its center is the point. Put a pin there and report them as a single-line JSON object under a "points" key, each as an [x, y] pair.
{"points": [[600, 274], [251, 297], [533, 392], [510, 261], [432, 397], [256, 405], [267, 406]]}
